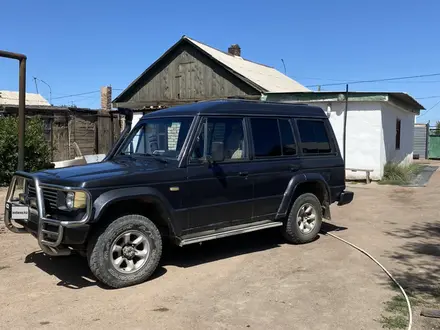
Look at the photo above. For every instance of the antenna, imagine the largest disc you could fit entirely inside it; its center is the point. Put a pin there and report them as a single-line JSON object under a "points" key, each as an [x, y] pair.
{"points": [[36, 84], [284, 65]]}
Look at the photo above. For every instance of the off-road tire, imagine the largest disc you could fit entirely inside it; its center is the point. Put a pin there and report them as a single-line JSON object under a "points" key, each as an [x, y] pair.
{"points": [[98, 251], [291, 230]]}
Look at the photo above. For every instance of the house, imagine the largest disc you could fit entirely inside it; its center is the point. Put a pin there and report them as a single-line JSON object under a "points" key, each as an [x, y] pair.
{"points": [[11, 98], [191, 71], [380, 126]]}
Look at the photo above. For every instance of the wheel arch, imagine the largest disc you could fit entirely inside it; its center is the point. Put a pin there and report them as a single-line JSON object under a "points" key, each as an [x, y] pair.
{"points": [[144, 201], [305, 183]]}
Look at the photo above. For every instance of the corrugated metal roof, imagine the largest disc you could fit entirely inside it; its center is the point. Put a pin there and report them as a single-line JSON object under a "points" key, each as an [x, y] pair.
{"points": [[267, 77], [11, 98]]}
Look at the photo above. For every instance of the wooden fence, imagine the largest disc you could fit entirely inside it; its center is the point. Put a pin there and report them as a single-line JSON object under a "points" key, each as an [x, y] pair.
{"points": [[93, 131]]}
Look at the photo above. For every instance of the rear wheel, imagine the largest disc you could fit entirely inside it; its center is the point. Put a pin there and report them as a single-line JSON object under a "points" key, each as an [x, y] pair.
{"points": [[126, 252], [304, 221]]}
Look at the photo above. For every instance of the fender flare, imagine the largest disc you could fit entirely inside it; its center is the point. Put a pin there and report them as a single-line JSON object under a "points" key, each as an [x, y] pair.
{"points": [[110, 197], [294, 182]]}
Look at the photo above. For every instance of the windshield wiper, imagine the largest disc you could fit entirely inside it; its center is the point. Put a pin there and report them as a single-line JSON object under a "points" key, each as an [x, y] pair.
{"points": [[156, 157], [160, 159]]}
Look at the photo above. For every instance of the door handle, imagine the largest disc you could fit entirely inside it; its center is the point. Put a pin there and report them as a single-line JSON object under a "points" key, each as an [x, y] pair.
{"points": [[243, 173], [295, 167]]}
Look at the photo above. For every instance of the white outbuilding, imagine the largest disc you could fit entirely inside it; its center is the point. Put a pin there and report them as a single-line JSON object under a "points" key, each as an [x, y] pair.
{"points": [[379, 126]]}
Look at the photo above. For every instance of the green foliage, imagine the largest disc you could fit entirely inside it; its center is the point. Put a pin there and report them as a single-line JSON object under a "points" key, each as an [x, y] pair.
{"points": [[400, 174], [37, 151]]}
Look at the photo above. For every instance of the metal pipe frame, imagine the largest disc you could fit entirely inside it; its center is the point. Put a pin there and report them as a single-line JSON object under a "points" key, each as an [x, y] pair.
{"points": [[21, 102]]}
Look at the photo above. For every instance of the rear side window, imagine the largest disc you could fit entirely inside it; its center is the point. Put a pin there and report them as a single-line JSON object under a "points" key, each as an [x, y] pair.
{"points": [[272, 137], [314, 137], [266, 137]]}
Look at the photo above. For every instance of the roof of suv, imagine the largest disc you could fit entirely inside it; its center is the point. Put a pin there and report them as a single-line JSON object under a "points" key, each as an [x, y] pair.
{"points": [[240, 107]]}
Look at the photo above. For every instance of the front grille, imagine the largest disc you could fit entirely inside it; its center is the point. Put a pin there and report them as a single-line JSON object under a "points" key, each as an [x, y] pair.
{"points": [[50, 196]]}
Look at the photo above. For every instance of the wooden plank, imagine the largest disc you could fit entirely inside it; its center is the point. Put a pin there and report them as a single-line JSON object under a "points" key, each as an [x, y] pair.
{"points": [[434, 313]]}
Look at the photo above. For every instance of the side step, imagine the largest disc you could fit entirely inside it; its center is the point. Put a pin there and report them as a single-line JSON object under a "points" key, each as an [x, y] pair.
{"points": [[228, 231]]}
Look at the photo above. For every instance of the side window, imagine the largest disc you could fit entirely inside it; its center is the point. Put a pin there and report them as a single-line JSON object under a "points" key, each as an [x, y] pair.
{"points": [[266, 137], [220, 138], [287, 139], [314, 138]]}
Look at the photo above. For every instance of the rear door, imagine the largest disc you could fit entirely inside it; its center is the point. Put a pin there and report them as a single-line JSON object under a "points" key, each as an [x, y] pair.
{"points": [[274, 162], [320, 153]]}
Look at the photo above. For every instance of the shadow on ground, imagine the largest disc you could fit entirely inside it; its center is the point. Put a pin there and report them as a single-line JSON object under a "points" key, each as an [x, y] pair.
{"points": [[420, 256], [74, 273], [210, 251]]}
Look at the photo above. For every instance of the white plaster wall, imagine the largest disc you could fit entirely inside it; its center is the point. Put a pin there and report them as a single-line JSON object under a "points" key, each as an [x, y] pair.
{"points": [[404, 155], [364, 133]]}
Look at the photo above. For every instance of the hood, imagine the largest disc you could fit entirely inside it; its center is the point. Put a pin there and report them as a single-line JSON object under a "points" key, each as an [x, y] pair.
{"points": [[103, 173]]}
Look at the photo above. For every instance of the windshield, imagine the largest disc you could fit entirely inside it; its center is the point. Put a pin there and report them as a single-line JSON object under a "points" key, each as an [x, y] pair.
{"points": [[158, 137]]}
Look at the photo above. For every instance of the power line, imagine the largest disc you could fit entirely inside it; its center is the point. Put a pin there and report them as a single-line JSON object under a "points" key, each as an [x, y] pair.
{"points": [[430, 109], [79, 94], [428, 97], [377, 80]]}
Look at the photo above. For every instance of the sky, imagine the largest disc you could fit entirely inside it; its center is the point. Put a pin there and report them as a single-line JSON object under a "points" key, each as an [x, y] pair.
{"points": [[79, 46]]}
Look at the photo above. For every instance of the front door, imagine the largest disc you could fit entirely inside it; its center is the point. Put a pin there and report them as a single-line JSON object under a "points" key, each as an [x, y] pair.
{"points": [[219, 189]]}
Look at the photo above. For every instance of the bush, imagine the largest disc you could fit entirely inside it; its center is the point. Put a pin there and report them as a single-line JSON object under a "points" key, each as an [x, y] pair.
{"points": [[36, 152], [400, 174]]}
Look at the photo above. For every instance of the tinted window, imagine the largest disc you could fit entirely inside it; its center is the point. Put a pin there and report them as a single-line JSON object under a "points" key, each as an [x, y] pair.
{"points": [[220, 138], [287, 139], [266, 137], [314, 138]]}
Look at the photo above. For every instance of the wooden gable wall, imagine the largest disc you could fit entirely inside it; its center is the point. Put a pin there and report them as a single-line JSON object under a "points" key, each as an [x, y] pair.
{"points": [[185, 75]]}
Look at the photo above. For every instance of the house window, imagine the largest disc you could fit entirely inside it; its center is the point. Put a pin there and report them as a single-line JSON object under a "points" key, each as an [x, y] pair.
{"points": [[397, 134]]}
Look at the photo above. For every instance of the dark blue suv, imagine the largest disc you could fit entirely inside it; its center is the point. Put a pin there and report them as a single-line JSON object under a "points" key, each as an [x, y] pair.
{"points": [[189, 174]]}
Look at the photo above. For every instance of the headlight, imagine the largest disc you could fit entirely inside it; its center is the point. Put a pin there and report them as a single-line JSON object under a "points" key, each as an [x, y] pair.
{"points": [[70, 197], [76, 200]]}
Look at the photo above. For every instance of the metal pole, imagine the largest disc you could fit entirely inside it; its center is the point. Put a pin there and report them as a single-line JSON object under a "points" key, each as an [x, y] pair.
{"points": [[21, 109], [21, 103], [344, 138]]}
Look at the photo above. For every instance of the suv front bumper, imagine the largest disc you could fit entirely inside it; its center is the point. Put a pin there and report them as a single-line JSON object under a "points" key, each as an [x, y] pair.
{"points": [[53, 235]]}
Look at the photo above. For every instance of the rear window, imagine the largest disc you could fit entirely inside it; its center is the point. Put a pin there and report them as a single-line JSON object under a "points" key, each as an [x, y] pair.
{"points": [[314, 137]]}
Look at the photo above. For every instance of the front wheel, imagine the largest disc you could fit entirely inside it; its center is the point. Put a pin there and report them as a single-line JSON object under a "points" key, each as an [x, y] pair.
{"points": [[126, 252], [304, 221]]}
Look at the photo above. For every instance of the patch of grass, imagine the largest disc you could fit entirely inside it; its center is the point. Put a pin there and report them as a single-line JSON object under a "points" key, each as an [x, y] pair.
{"points": [[397, 311], [397, 174], [394, 322]]}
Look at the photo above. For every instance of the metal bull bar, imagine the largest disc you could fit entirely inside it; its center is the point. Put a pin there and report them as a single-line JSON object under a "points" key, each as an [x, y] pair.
{"points": [[49, 239]]}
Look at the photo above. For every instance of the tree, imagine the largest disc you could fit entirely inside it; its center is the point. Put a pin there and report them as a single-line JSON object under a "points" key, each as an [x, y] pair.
{"points": [[37, 151]]}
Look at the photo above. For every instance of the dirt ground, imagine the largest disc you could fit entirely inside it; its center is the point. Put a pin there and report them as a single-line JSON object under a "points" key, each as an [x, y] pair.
{"points": [[251, 281]]}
